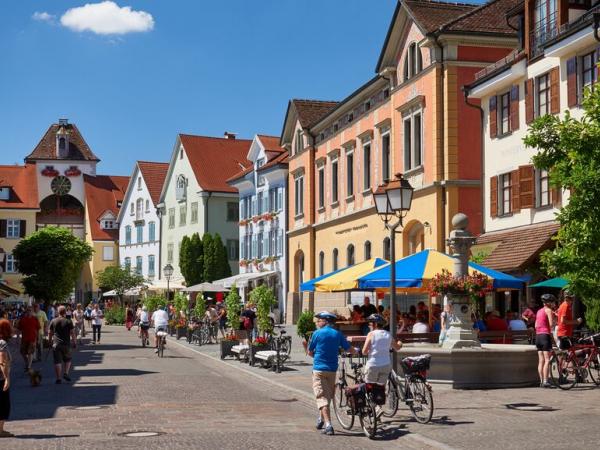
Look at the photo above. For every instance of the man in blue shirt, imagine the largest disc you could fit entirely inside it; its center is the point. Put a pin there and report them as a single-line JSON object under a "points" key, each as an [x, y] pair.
{"points": [[324, 347]]}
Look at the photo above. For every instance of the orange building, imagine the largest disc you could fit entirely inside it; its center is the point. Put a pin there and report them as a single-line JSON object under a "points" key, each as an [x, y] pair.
{"points": [[411, 118]]}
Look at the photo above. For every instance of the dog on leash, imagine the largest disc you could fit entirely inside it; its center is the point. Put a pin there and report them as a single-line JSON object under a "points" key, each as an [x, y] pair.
{"points": [[35, 377]]}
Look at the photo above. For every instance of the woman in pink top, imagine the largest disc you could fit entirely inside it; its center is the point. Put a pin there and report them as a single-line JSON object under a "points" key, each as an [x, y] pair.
{"points": [[544, 321]]}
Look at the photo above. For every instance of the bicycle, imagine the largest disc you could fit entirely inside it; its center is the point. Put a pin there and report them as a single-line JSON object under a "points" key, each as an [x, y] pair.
{"points": [[571, 366], [359, 400], [162, 340], [412, 389]]}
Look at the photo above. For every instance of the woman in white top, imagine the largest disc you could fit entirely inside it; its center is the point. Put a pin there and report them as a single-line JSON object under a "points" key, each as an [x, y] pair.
{"points": [[377, 347]]}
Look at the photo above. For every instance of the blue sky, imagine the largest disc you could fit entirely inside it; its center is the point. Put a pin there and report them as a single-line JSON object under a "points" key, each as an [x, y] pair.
{"points": [[200, 67]]}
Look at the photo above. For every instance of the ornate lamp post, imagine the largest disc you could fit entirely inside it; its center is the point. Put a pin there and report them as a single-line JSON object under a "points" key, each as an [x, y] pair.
{"points": [[393, 200], [168, 273]]}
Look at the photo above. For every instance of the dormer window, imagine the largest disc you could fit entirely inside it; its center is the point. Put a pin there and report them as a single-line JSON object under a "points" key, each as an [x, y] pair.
{"points": [[181, 188], [299, 141], [413, 61], [260, 162], [108, 225], [139, 183], [4, 193]]}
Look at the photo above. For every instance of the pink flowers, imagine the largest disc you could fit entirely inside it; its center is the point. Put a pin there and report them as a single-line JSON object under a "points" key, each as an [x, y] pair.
{"points": [[475, 286]]}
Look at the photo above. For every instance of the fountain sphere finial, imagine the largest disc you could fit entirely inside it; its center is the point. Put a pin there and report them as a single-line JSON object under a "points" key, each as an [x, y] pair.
{"points": [[460, 221]]}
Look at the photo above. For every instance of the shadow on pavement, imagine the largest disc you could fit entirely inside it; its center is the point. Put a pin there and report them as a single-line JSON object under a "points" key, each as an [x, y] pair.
{"points": [[78, 373], [45, 436]]}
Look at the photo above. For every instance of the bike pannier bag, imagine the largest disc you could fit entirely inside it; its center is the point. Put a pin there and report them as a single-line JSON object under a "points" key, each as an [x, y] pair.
{"points": [[377, 393], [356, 396]]}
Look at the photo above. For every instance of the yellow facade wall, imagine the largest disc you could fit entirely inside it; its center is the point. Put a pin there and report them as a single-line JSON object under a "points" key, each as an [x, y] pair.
{"points": [[8, 244]]}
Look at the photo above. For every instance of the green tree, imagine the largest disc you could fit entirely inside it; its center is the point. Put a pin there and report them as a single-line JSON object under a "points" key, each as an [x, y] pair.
{"points": [[233, 303], [119, 279], [184, 259], [153, 302], [200, 306], [180, 302], [222, 269], [210, 266], [197, 257], [569, 149], [264, 299], [51, 260]]}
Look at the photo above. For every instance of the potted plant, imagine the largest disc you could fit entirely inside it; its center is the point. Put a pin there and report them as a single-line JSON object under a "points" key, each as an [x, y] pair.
{"points": [[171, 325], [305, 325], [227, 343], [233, 303], [259, 344]]}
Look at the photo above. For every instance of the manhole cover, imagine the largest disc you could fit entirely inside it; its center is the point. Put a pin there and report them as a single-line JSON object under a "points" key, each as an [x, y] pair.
{"points": [[529, 407], [285, 400], [87, 408], [141, 434]]}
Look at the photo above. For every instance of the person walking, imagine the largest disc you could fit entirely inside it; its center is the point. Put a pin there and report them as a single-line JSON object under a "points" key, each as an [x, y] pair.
{"points": [[79, 323], [97, 316], [29, 326], [544, 321], [222, 310], [128, 318], [62, 334], [377, 346], [5, 362], [43, 330], [324, 347], [87, 315], [565, 322]]}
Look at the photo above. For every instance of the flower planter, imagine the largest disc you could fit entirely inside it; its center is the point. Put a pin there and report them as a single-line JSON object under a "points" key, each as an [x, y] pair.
{"points": [[226, 346], [252, 351], [181, 332]]}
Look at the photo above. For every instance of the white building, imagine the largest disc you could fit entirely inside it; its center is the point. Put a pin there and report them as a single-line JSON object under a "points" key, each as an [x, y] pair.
{"points": [[196, 198], [139, 223], [262, 226]]}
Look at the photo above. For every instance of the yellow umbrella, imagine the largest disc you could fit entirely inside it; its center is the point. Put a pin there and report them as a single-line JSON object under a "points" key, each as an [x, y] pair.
{"points": [[347, 278]]}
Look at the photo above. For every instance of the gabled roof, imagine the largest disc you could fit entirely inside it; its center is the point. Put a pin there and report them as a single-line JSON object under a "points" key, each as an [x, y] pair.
{"points": [[488, 18], [278, 155], [102, 193], [214, 160], [310, 112], [22, 181], [78, 148], [432, 15], [281, 159], [271, 143], [154, 174]]}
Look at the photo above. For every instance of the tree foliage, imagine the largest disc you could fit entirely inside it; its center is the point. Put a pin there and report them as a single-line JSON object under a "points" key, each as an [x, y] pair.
{"points": [[119, 279], [153, 302], [209, 258], [569, 149], [197, 256], [184, 259], [264, 299], [51, 260], [223, 269], [233, 303]]}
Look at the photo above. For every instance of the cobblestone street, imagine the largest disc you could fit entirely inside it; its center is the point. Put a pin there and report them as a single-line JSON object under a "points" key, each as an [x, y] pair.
{"points": [[198, 401]]}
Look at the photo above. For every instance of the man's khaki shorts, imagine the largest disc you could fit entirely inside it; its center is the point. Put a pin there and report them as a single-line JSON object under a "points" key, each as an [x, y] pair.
{"points": [[61, 354], [323, 387], [27, 348], [378, 375]]}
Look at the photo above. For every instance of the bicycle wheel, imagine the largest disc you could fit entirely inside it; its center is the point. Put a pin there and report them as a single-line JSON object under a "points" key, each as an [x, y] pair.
{"points": [[368, 418], [594, 369], [341, 408], [161, 347], [392, 398], [143, 340], [420, 400], [563, 371]]}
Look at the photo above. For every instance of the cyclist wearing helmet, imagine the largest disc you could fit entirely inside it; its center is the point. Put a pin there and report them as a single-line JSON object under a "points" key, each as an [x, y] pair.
{"points": [[324, 347], [161, 320], [544, 321], [377, 346]]}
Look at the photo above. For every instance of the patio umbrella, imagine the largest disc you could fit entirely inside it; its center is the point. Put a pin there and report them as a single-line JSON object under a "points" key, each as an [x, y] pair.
{"points": [[309, 286], [206, 287], [557, 283], [347, 279], [415, 270]]}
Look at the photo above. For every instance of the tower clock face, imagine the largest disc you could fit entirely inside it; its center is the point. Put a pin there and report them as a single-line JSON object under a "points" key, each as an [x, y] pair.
{"points": [[60, 185]]}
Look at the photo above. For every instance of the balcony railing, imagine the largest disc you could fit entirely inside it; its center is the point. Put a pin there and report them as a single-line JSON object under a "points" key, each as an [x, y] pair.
{"points": [[544, 30], [511, 58]]}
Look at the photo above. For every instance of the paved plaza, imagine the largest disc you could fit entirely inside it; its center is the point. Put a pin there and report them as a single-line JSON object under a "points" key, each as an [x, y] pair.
{"points": [[198, 401]]}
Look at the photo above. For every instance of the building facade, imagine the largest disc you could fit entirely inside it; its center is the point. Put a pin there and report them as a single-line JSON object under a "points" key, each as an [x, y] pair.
{"points": [[195, 197], [263, 219], [138, 221], [412, 119]]}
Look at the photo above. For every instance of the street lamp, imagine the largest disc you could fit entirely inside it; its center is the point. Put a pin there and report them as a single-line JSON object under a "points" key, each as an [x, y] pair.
{"points": [[168, 273], [393, 200]]}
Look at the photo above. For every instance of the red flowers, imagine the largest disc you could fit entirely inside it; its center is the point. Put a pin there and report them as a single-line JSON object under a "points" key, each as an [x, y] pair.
{"points": [[261, 341]]}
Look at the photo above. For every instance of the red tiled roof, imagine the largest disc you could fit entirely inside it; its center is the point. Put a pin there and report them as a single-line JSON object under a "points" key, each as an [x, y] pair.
{"points": [[275, 153], [102, 193], [518, 246], [78, 148], [154, 174], [22, 181], [431, 15], [215, 160], [311, 111], [282, 159], [487, 18], [271, 143]]}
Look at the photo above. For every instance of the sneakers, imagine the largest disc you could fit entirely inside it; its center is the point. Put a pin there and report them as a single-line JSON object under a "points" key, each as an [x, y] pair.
{"points": [[58, 382], [156, 351], [547, 384], [328, 430], [320, 423], [67, 377]]}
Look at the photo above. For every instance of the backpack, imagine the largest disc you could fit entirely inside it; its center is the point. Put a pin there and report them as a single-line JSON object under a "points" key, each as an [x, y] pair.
{"points": [[247, 323]]}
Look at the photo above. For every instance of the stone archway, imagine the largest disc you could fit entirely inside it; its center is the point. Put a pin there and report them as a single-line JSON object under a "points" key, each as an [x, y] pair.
{"points": [[298, 270], [413, 238]]}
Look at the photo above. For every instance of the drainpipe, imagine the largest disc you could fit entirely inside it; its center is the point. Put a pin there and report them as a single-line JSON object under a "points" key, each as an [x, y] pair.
{"points": [[596, 26], [482, 143], [443, 142], [206, 213]]}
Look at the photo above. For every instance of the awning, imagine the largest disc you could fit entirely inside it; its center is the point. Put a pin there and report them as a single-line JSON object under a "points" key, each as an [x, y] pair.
{"points": [[347, 278], [206, 287], [129, 292], [557, 283], [162, 285], [7, 290], [309, 286], [243, 279]]}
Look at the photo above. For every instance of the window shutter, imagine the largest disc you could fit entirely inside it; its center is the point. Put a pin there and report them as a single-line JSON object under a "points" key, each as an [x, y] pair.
{"points": [[515, 191], [556, 197], [555, 91], [22, 228], [572, 82], [514, 108], [526, 187], [494, 196], [597, 66], [493, 117], [529, 106], [2, 228]]}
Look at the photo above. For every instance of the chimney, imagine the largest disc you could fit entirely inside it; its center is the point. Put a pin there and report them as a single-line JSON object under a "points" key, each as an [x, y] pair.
{"points": [[63, 122], [229, 135]]}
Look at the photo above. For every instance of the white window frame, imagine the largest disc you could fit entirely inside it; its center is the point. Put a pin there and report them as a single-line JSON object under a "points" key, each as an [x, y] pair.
{"points": [[171, 218], [299, 195], [108, 253], [13, 228], [151, 231], [366, 154], [409, 150], [182, 215], [542, 198], [194, 212], [350, 173], [335, 181], [11, 264], [321, 186], [386, 158], [170, 248], [151, 265]]}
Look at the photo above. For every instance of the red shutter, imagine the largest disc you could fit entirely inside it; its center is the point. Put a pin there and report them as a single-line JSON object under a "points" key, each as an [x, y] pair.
{"points": [[529, 106], [572, 82], [515, 191], [556, 197], [526, 187], [555, 91], [514, 108], [22, 228], [493, 117], [494, 196], [2, 228]]}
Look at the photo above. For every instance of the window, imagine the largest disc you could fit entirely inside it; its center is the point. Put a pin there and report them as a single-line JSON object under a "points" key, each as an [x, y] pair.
{"points": [[367, 250], [147, 205], [321, 187], [181, 188], [260, 162], [259, 203], [151, 265], [128, 263], [299, 141], [260, 180], [138, 265], [543, 94], [542, 189], [299, 195], [181, 153], [280, 199], [334, 260], [152, 231], [13, 228], [413, 61], [182, 215], [504, 202], [128, 235], [11, 264], [107, 224], [366, 166], [139, 233], [194, 218], [588, 71], [385, 157], [321, 263], [259, 245], [139, 183], [131, 209], [233, 247], [232, 212], [504, 112], [350, 255], [412, 142], [334, 181], [171, 217], [280, 242], [386, 249], [107, 253], [170, 253], [4, 193], [139, 209], [349, 174], [273, 200]]}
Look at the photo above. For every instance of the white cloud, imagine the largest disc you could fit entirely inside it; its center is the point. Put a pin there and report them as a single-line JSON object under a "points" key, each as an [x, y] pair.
{"points": [[43, 17], [107, 18]]}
